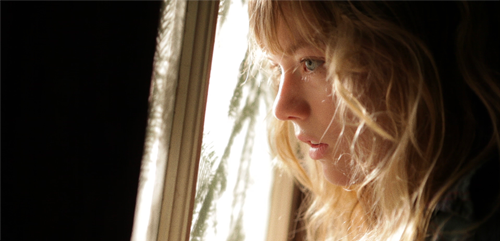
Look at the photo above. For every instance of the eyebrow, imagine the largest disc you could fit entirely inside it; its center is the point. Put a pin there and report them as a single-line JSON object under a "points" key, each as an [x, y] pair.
{"points": [[292, 49]]}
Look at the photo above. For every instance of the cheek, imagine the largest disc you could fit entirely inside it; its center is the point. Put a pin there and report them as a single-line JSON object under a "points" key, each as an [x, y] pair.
{"points": [[322, 100]]}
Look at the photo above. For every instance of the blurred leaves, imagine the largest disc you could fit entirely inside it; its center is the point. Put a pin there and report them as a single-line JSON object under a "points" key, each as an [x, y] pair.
{"points": [[212, 178], [212, 185]]}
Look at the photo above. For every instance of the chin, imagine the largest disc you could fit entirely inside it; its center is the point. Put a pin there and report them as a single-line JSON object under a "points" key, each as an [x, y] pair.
{"points": [[335, 175]]}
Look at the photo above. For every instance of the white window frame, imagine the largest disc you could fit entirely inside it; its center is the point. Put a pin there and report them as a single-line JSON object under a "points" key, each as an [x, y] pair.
{"points": [[175, 129]]}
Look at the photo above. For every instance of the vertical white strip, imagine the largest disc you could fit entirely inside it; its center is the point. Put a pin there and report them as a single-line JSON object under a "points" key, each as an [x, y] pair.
{"points": [[161, 106]]}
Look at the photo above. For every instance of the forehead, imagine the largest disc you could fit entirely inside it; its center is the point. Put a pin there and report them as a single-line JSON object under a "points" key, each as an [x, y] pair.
{"points": [[286, 27], [289, 40]]}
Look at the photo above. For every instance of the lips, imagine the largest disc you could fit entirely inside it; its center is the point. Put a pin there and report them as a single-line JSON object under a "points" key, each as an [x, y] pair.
{"points": [[317, 150]]}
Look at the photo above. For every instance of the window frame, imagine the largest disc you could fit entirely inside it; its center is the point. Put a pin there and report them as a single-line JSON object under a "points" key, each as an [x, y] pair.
{"points": [[187, 127], [171, 208]]}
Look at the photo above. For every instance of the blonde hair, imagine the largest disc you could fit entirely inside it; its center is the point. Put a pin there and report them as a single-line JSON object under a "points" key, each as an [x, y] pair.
{"points": [[387, 85]]}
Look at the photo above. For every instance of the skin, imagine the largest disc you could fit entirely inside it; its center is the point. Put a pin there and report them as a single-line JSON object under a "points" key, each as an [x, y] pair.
{"points": [[305, 99]]}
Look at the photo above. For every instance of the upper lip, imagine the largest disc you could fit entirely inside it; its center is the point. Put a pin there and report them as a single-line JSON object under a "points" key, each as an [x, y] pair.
{"points": [[307, 139]]}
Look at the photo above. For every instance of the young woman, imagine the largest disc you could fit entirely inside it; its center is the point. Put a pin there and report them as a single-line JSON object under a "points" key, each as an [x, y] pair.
{"points": [[387, 115]]}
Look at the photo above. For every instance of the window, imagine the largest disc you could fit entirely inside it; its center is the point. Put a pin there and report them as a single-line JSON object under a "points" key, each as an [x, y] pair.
{"points": [[166, 197], [235, 170]]}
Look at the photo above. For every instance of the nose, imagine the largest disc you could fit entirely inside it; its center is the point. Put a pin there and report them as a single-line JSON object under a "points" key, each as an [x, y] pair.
{"points": [[291, 102]]}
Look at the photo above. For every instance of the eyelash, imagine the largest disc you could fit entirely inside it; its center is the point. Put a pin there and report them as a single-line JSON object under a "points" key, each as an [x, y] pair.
{"points": [[318, 63], [275, 74], [277, 71]]}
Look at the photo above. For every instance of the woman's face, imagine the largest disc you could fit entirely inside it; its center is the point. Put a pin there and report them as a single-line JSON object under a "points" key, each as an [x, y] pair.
{"points": [[305, 99]]}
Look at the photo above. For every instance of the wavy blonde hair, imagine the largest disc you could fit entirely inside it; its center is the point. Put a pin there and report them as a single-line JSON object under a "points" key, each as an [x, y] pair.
{"points": [[435, 118]]}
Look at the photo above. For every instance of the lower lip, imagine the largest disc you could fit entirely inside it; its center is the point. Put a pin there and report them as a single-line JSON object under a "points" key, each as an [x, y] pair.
{"points": [[318, 151]]}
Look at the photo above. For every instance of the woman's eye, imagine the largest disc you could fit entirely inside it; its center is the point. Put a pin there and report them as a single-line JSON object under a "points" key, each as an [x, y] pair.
{"points": [[276, 69], [275, 74], [311, 65]]}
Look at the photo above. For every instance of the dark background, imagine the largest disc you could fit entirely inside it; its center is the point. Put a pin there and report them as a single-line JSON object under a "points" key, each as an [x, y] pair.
{"points": [[75, 79]]}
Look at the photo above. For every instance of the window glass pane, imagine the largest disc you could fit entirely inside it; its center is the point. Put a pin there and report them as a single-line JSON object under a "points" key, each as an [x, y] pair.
{"points": [[235, 173]]}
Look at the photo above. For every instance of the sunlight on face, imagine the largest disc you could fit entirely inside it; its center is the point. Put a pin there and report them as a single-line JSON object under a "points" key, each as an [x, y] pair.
{"points": [[305, 98]]}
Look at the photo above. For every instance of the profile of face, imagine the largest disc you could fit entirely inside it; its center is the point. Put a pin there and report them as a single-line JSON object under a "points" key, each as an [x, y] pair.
{"points": [[305, 99]]}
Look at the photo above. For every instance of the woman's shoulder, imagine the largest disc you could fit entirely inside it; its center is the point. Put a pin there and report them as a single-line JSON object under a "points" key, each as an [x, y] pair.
{"points": [[484, 194]]}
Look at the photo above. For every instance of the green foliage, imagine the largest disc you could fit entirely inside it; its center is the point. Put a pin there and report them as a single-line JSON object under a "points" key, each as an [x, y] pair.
{"points": [[211, 185], [243, 107]]}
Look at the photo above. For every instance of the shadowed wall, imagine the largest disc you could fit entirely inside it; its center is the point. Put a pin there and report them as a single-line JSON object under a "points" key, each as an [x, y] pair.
{"points": [[75, 83]]}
